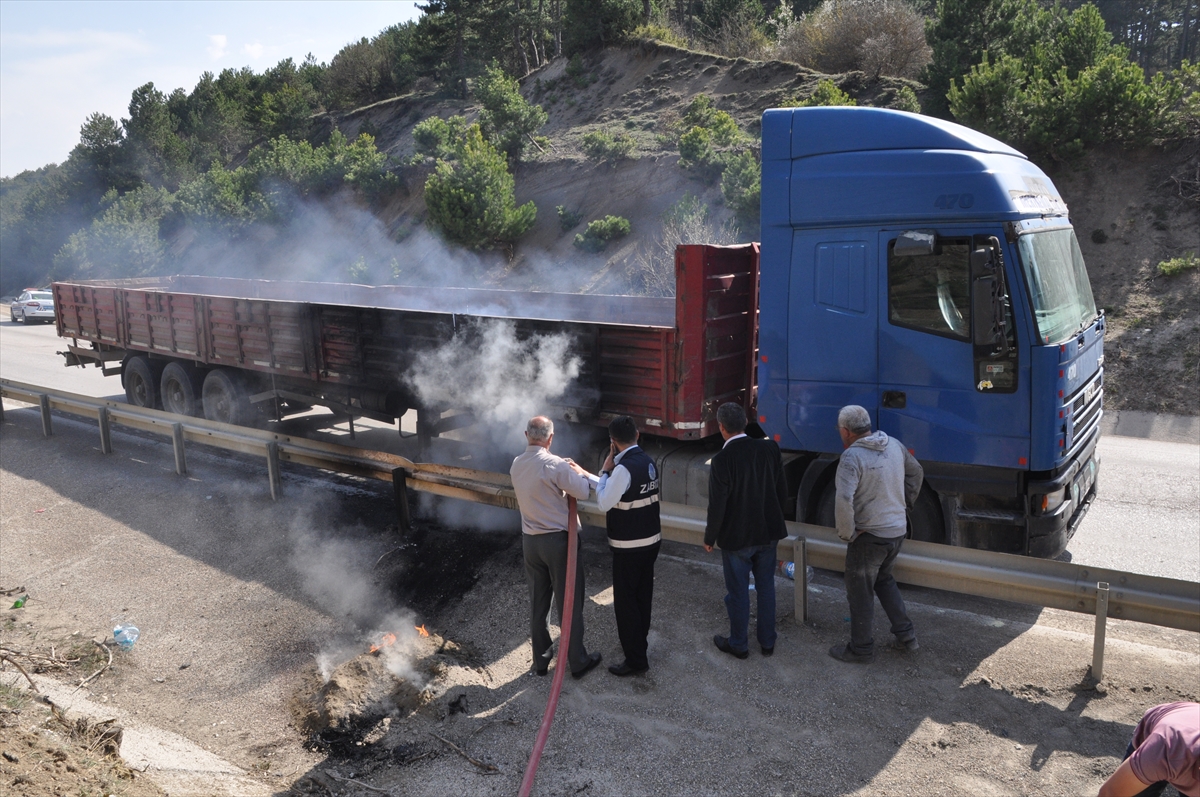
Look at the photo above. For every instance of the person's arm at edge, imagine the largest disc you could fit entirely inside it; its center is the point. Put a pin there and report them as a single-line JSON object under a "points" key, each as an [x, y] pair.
{"points": [[914, 475], [718, 496], [1122, 783], [612, 487], [846, 480], [571, 482], [781, 489]]}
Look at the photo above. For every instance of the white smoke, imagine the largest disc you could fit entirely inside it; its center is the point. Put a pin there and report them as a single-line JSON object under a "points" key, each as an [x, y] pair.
{"points": [[335, 572], [501, 378]]}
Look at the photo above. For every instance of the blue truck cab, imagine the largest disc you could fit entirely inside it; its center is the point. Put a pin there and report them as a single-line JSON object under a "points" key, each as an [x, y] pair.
{"points": [[929, 273]]}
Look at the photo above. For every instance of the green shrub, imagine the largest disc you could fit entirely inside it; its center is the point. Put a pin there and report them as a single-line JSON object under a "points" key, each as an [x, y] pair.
{"points": [[438, 138], [471, 200], [507, 119], [603, 146], [1069, 88], [568, 219], [1177, 265], [741, 186], [577, 72], [721, 126], [827, 93], [658, 32], [696, 150], [600, 232], [906, 100]]}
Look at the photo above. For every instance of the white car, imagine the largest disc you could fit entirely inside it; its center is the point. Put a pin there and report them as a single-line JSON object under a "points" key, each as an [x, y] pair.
{"points": [[32, 306]]}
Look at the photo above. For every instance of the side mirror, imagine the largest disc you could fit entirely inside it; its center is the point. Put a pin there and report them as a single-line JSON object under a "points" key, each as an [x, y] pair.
{"points": [[989, 297]]}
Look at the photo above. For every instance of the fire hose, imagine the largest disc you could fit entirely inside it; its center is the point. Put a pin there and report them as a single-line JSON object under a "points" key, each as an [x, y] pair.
{"points": [[564, 645]]}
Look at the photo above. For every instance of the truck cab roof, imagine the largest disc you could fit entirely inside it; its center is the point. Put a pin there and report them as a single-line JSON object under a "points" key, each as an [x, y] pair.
{"points": [[845, 166]]}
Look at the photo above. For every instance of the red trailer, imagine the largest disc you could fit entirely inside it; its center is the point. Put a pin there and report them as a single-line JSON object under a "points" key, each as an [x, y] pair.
{"points": [[223, 346]]}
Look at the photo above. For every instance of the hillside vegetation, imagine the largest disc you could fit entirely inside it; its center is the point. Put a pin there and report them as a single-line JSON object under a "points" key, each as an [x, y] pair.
{"points": [[569, 145]]}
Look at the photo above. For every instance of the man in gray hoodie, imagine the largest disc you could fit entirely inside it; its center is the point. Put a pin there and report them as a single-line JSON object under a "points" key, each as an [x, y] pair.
{"points": [[876, 479]]}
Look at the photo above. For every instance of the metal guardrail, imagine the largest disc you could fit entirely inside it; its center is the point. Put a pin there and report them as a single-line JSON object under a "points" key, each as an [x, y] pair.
{"points": [[1166, 602]]}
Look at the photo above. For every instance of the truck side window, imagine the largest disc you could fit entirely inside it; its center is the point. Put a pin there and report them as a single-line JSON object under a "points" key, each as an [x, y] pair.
{"points": [[932, 293]]}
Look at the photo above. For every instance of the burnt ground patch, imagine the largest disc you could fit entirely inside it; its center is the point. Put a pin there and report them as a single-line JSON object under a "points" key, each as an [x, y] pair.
{"points": [[435, 566]]}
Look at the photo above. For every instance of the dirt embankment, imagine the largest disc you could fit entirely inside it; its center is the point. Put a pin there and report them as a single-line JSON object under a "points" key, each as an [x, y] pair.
{"points": [[1131, 210]]}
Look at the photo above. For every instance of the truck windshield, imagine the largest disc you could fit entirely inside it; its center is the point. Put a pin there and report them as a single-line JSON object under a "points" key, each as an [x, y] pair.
{"points": [[1058, 283]]}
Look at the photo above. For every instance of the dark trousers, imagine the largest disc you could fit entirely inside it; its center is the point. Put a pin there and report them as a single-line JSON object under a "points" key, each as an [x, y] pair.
{"points": [[546, 572], [633, 592], [869, 561]]}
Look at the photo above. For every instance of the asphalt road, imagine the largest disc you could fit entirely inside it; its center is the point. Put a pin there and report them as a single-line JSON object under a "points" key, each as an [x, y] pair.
{"points": [[1146, 520]]}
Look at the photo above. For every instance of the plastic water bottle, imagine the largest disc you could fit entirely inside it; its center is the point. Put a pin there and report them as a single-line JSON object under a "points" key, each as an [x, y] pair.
{"points": [[125, 636], [788, 570]]}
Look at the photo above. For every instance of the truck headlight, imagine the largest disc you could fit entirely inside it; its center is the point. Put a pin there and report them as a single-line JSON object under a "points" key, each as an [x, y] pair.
{"points": [[1050, 501]]}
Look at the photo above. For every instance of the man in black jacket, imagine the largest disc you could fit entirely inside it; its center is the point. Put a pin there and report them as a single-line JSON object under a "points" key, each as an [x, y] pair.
{"points": [[746, 496], [627, 492]]}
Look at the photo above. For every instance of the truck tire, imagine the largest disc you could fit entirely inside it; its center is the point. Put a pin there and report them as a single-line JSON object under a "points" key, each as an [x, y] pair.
{"points": [[226, 399], [180, 389], [141, 379], [925, 522]]}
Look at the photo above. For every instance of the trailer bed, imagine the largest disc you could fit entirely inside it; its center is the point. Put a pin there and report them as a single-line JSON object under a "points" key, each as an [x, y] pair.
{"points": [[668, 362]]}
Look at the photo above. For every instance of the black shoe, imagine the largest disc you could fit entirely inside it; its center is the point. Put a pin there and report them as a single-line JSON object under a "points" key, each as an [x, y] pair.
{"points": [[593, 660], [722, 644], [540, 670], [908, 646], [843, 653], [769, 651], [624, 669]]}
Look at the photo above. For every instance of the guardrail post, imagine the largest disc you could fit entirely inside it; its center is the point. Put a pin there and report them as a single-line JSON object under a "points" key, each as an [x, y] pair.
{"points": [[177, 441], [400, 490], [105, 431], [44, 400], [273, 470], [800, 560], [1101, 625]]}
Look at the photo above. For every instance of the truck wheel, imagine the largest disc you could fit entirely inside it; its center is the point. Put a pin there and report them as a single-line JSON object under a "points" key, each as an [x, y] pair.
{"points": [[825, 515], [179, 389], [226, 399], [141, 382], [925, 520]]}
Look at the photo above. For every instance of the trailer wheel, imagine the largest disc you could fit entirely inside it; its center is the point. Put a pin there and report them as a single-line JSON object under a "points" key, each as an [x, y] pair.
{"points": [[925, 520], [180, 389], [141, 382], [226, 399]]}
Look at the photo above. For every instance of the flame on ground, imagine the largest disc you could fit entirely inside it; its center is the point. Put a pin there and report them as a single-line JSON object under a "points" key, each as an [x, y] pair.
{"points": [[386, 640], [420, 630]]}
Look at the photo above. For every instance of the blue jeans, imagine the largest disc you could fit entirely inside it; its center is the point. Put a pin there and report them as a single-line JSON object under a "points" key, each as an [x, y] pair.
{"points": [[738, 565]]}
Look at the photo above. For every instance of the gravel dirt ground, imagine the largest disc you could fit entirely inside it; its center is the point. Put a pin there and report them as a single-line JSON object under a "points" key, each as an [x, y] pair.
{"points": [[253, 673]]}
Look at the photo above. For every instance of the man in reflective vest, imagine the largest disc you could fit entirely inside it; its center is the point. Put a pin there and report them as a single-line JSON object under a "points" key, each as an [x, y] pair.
{"points": [[627, 490]]}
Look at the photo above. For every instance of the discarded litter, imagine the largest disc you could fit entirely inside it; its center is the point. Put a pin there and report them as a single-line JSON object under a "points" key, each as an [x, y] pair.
{"points": [[125, 636], [788, 569], [20, 602]]}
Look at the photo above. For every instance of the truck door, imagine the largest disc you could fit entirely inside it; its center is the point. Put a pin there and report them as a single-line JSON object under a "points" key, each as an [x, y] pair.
{"points": [[946, 395], [831, 332]]}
